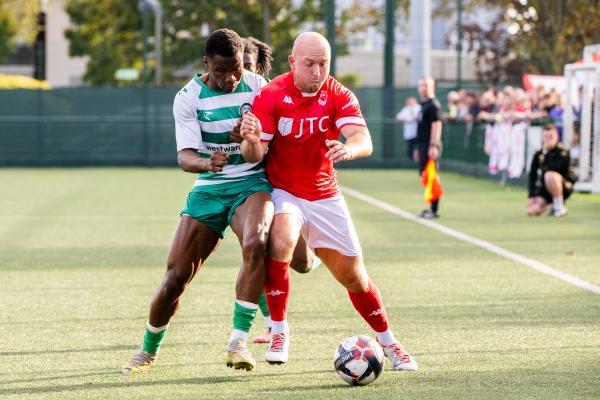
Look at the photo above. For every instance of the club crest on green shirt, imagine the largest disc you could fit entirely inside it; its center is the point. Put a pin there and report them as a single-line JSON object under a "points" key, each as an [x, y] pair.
{"points": [[245, 108]]}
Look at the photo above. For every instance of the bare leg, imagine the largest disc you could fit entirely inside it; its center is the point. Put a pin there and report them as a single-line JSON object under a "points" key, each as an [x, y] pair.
{"points": [[347, 270], [365, 297], [191, 246], [251, 223], [301, 260], [554, 183]]}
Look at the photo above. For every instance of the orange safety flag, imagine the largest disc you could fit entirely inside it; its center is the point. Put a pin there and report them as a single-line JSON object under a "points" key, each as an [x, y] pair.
{"points": [[431, 182]]}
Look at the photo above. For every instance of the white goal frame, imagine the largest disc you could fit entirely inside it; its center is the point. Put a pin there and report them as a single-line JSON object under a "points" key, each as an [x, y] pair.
{"points": [[589, 161]]}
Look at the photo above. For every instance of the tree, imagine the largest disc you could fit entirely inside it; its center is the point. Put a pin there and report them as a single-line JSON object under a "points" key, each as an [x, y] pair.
{"points": [[549, 34], [25, 12], [536, 36], [109, 32], [7, 31], [491, 43], [532, 36]]}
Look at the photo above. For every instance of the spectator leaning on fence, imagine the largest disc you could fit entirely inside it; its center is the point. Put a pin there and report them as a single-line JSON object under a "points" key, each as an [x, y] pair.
{"points": [[550, 178], [409, 116]]}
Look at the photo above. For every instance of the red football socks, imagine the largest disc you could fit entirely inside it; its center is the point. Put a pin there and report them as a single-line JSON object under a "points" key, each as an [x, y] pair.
{"points": [[370, 307], [277, 288]]}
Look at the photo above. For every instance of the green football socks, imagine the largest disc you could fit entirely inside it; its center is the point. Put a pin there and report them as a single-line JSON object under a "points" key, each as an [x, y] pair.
{"points": [[243, 315], [153, 338], [262, 304]]}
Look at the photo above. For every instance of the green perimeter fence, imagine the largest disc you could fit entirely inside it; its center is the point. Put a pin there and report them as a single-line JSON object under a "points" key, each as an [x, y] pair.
{"points": [[134, 127]]}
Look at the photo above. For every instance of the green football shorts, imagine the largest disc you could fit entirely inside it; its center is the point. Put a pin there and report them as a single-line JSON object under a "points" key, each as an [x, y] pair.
{"points": [[214, 205]]}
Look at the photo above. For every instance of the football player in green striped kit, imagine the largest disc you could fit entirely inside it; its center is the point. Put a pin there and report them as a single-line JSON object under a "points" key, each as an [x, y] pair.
{"points": [[227, 191]]}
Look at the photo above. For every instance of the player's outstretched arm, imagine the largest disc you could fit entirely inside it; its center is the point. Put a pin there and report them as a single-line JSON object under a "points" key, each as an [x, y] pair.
{"points": [[189, 161], [358, 144], [252, 149]]}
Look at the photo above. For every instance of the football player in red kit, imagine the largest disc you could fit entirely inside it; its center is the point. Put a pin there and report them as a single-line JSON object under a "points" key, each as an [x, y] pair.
{"points": [[301, 114]]}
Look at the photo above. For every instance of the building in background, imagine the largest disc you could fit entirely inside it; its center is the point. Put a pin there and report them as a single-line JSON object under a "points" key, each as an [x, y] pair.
{"points": [[61, 69], [365, 58], [364, 61]]}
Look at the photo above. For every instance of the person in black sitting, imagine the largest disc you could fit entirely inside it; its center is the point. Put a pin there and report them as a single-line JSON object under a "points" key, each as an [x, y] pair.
{"points": [[550, 178]]}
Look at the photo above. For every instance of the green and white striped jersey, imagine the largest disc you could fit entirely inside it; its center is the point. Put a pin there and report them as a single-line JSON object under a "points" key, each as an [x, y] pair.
{"points": [[204, 119]]}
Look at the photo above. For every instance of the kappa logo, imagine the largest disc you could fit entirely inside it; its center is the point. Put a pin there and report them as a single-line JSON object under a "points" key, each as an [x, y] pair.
{"points": [[288, 100], [323, 98], [205, 115], [285, 125], [377, 312], [349, 104], [275, 292]]}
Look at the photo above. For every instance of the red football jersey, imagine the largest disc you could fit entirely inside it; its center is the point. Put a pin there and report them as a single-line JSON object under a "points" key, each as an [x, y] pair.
{"points": [[297, 124]]}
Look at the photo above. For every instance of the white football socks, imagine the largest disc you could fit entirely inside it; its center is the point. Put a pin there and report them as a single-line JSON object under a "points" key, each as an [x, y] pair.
{"points": [[238, 334], [280, 326], [385, 338], [269, 322], [558, 203]]}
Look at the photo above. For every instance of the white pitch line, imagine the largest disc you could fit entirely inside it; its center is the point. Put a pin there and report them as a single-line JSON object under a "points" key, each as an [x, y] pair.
{"points": [[536, 265]]}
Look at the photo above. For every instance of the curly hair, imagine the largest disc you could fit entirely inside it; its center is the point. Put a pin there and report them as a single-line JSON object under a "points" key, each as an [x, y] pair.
{"points": [[262, 51], [224, 42]]}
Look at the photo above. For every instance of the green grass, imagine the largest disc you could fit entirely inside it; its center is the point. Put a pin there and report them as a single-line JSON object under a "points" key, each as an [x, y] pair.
{"points": [[81, 251]]}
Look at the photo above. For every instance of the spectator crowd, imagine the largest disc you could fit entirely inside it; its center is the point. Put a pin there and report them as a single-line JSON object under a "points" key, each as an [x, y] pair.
{"points": [[508, 113]]}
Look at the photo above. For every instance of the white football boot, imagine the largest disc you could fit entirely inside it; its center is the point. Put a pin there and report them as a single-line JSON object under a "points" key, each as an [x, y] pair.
{"points": [[277, 353], [400, 359]]}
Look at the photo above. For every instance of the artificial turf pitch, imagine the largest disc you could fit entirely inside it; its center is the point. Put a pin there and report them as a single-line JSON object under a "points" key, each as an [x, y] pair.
{"points": [[81, 251]]}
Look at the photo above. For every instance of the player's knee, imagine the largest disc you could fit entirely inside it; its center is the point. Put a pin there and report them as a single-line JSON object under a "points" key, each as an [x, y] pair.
{"points": [[280, 247], [301, 266], [552, 177], [254, 250], [173, 285], [355, 282]]}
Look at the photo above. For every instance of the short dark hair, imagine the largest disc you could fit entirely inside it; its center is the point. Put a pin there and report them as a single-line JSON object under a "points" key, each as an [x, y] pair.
{"points": [[262, 51], [224, 42], [549, 127]]}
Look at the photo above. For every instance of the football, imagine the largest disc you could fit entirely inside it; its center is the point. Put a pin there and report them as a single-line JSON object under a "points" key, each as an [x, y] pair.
{"points": [[358, 360]]}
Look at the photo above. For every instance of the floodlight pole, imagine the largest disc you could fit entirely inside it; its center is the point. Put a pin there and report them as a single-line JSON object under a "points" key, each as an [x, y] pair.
{"points": [[389, 106], [420, 40], [266, 19], [330, 12], [459, 45], [144, 41]]}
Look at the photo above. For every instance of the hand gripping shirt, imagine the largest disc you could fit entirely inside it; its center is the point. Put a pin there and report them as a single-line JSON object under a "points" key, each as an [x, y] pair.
{"points": [[297, 124], [204, 118]]}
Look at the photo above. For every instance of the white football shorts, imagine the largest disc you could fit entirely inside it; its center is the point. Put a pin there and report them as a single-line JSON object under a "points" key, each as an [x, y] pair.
{"points": [[325, 223]]}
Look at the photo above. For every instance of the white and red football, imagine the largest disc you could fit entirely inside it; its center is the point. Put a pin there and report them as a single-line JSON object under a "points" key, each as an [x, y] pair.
{"points": [[358, 360]]}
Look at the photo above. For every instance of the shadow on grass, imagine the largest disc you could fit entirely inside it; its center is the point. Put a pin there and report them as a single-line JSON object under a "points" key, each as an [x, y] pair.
{"points": [[131, 383], [506, 351], [130, 347], [135, 380]]}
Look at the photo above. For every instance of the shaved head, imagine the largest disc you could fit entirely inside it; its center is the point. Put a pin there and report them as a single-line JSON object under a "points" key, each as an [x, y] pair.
{"points": [[311, 42], [309, 61]]}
